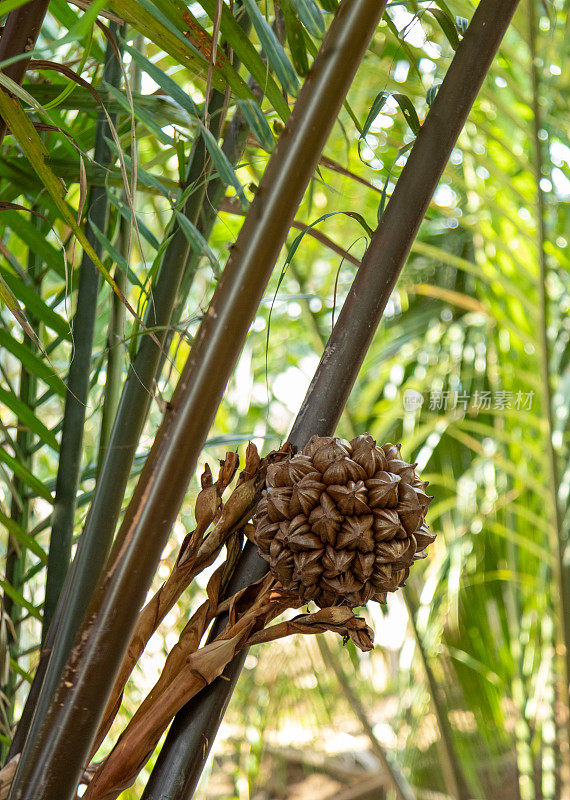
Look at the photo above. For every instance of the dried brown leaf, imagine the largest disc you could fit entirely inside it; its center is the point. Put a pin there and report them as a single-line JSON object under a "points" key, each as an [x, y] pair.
{"points": [[206, 478], [339, 619], [7, 776], [228, 469]]}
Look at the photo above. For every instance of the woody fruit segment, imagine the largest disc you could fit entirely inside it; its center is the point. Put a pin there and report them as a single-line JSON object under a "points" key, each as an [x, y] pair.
{"points": [[340, 523]]}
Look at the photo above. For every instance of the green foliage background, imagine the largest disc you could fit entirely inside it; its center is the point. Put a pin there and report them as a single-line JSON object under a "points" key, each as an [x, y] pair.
{"points": [[482, 307]]}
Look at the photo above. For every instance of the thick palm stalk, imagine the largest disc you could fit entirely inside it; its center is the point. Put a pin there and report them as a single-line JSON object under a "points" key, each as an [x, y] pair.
{"points": [[193, 731], [18, 37], [129, 420], [76, 398], [51, 765]]}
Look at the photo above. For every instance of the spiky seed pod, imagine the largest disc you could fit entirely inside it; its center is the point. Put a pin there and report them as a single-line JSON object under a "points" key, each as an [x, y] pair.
{"points": [[341, 522]]}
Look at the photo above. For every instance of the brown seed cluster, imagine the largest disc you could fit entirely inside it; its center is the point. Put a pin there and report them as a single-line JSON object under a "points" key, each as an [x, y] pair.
{"points": [[341, 522]]}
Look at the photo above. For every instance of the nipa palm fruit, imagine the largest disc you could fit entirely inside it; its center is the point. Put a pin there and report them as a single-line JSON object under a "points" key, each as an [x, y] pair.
{"points": [[341, 522]]}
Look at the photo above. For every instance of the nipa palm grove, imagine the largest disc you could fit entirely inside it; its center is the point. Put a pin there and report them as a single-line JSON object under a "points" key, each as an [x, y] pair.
{"points": [[284, 394]]}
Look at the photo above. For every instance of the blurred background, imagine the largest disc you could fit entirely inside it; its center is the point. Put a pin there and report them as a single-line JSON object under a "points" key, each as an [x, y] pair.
{"points": [[470, 371]]}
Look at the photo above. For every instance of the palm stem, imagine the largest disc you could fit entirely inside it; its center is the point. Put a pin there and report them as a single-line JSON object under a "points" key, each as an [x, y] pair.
{"points": [[117, 316], [113, 381]]}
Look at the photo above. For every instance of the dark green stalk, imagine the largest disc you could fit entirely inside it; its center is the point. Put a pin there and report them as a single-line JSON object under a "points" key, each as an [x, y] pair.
{"points": [[19, 36], [559, 539], [399, 783], [70, 453], [115, 355], [233, 147], [76, 399], [192, 733], [51, 765], [392, 240], [113, 382], [20, 510], [15, 552]]}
